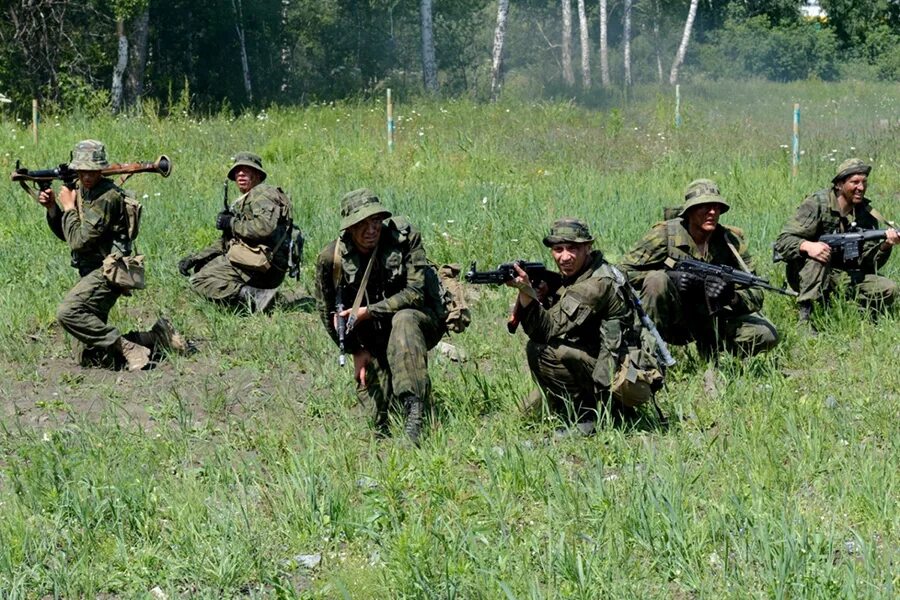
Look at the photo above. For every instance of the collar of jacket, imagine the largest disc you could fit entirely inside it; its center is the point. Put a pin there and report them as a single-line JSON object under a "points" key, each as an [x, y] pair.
{"points": [[834, 207], [104, 185]]}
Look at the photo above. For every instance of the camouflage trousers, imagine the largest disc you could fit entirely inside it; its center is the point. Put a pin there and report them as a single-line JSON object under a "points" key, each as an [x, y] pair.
{"points": [[565, 375], [680, 321], [221, 281], [399, 366], [815, 281]]}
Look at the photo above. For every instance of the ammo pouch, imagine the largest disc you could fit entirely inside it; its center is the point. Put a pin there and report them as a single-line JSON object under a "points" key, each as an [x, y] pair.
{"points": [[124, 272], [252, 258], [635, 383], [458, 314]]}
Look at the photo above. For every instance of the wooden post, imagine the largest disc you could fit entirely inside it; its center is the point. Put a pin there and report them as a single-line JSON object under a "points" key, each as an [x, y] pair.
{"points": [[677, 105], [390, 121], [34, 120], [795, 143]]}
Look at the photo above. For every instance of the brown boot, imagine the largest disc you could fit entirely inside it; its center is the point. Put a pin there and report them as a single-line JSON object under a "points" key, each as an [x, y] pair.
{"points": [[168, 338], [136, 357]]}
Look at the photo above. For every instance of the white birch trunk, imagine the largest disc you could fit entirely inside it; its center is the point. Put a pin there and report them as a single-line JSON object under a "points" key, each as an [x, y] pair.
{"points": [[585, 46], [682, 48], [568, 73], [604, 46], [656, 42], [497, 58], [245, 63], [429, 62], [117, 89], [140, 33], [626, 42]]}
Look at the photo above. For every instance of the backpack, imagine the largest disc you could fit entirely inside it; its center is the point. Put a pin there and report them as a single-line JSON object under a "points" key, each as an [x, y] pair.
{"points": [[453, 297]]}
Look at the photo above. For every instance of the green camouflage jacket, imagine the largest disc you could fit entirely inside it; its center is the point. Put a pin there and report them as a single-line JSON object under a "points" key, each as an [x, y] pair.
{"points": [[819, 215], [263, 216], [401, 278], [671, 240], [92, 231], [591, 314]]}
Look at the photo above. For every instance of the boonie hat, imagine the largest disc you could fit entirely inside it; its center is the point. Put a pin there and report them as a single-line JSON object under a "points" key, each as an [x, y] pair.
{"points": [[851, 166], [247, 159], [89, 155], [702, 191], [359, 205], [568, 231]]}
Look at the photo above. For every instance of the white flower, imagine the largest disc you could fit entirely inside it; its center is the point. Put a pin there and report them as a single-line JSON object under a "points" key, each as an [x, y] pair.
{"points": [[484, 200]]}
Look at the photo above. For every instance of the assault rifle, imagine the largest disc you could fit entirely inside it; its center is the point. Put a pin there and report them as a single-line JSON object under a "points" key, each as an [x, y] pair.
{"points": [[536, 272], [340, 324], [662, 348], [848, 246], [729, 274], [42, 178]]}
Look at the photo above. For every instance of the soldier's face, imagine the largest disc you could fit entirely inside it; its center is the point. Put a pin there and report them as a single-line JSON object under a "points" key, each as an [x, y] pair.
{"points": [[88, 179], [365, 234], [853, 188], [246, 178], [704, 218], [570, 258]]}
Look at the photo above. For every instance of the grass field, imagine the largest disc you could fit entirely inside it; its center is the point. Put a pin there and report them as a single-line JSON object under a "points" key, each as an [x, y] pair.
{"points": [[214, 476]]}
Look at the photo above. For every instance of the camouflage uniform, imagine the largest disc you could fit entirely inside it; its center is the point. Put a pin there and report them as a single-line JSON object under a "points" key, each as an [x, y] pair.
{"points": [[819, 214], [262, 216], [682, 318], [402, 295], [575, 347]]}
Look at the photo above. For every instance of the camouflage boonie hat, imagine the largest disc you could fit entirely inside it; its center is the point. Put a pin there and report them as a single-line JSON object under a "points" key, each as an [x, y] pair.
{"points": [[851, 166], [568, 231], [702, 191], [247, 159], [89, 155], [359, 205]]}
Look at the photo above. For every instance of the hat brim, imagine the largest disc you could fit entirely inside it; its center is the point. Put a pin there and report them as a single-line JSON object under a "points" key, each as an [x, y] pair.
{"points": [[87, 165], [244, 163], [705, 199], [854, 171], [552, 240], [363, 214]]}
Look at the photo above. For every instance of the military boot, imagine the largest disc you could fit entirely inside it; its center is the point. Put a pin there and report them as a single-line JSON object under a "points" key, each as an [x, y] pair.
{"points": [[167, 337], [414, 413], [136, 357], [804, 318], [258, 299]]}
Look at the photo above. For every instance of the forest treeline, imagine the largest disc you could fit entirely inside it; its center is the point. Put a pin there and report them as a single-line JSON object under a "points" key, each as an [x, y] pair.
{"points": [[97, 55]]}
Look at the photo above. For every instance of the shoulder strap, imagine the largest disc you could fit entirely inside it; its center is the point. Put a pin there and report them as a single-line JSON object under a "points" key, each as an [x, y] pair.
{"points": [[336, 265], [357, 302], [875, 213]]}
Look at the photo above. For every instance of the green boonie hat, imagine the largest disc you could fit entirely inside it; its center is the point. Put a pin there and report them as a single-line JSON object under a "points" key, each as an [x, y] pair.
{"points": [[89, 155], [247, 159], [851, 166], [702, 191], [571, 231], [359, 205]]}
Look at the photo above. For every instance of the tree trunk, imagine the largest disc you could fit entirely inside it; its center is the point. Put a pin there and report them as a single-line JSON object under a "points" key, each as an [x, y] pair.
{"points": [[117, 90], [429, 63], [568, 74], [682, 48], [626, 42], [497, 58], [245, 63], [138, 61], [656, 42], [585, 46], [604, 47]]}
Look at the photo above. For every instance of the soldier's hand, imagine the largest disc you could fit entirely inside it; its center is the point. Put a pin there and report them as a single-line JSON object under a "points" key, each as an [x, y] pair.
{"points": [[685, 282], [186, 265], [67, 198], [361, 360], [719, 290], [224, 221], [522, 283], [818, 251], [362, 314], [893, 237], [47, 198]]}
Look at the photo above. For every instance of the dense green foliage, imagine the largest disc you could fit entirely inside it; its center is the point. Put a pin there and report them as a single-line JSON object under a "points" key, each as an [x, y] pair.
{"points": [[208, 476]]}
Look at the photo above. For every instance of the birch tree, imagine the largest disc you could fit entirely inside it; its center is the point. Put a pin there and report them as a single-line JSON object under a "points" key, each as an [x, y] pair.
{"points": [[117, 90], [239, 29], [682, 47], [626, 42], [568, 74], [429, 62], [585, 46], [497, 58], [137, 59], [604, 48]]}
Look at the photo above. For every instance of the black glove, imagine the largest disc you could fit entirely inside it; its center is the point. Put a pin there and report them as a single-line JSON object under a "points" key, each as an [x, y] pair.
{"points": [[223, 221], [685, 282], [719, 291], [186, 265]]}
